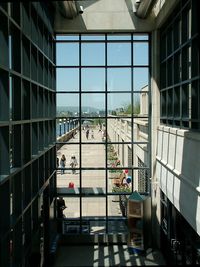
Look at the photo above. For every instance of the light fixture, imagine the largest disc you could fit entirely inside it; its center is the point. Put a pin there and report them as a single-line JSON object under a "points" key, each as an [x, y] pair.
{"points": [[80, 9]]}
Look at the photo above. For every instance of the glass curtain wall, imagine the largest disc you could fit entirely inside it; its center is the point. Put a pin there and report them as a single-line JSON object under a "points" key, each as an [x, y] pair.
{"points": [[102, 127], [180, 64]]}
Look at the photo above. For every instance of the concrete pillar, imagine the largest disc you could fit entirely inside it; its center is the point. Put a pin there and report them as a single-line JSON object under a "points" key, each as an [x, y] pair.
{"points": [[155, 121]]}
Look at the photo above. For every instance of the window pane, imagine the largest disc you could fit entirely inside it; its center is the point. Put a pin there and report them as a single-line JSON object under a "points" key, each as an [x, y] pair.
{"points": [[92, 54], [121, 154], [119, 37], [92, 37], [92, 207], [141, 178], [140, 54], [117, 207], [69, 127], [140, 152], [93, 156], [67, 37], [68, 150], [140, 130], [67, 105], [93, 104], [117, 125], [140, 104], [90, 130], [119, 54], [72, 211], [93, 79], [140, 37], [67, 79], [140, 79], [185, 101], [67, 54], [93, 179], [119, 104], [119, 79], [66, 174]]}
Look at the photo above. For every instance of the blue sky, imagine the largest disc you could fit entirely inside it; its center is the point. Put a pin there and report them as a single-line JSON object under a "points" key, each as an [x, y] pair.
{"points": [[94, 79]]}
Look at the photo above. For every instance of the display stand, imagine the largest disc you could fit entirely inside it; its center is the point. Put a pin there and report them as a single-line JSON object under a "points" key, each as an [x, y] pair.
{"points": [[139, 218]]}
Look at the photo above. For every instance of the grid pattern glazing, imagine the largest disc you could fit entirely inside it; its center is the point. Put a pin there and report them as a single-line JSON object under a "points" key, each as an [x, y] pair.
{"points": [[102, 85]]}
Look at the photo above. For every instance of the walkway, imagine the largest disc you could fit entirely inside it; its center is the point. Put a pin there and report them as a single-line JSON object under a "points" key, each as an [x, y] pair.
{"points": [[93, 155]]}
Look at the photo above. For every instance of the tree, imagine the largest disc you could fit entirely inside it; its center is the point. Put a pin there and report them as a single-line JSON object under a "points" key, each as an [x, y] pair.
{"points": [[136, 108]]}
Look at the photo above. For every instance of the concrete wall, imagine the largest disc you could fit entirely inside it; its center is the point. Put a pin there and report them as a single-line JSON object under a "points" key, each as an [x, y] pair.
{"points": [[178, 171], [161, 10], [104, 15], [120, 127]]}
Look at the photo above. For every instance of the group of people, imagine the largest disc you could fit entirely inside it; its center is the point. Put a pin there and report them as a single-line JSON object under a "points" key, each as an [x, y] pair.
{"points": [[73, 163], [87, 132]]}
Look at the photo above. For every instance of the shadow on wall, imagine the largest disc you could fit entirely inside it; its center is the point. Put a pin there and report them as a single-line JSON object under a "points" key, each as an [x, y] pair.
{"points": [[188, 195], [178, 169]]}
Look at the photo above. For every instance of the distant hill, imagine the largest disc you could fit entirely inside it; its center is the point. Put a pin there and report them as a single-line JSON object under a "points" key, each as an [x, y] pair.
{"points": [[75, 109]]}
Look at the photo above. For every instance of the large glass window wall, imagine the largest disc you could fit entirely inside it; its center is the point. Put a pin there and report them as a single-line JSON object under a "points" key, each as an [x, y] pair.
{"points": [[180, 64], [103, 94]]}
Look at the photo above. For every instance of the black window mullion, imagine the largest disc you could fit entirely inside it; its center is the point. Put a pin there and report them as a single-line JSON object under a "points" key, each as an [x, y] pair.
{"points": [[106, 125], [132, 90], [80, 137]]}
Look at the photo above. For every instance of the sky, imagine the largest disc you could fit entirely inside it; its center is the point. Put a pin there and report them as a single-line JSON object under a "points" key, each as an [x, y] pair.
{"points": [[93, 79]]}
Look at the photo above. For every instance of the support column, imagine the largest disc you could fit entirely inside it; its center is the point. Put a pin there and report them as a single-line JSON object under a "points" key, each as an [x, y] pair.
{"points": [[155, 121]]}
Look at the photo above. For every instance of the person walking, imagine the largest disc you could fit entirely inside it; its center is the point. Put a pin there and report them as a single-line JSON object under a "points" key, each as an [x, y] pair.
{"points": [[60, 205], [87, 133], [92, 134], [73, 164], [63, 163]]}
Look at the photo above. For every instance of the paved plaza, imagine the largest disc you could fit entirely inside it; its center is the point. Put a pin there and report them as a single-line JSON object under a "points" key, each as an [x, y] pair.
{"points": [[92, 156]]}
